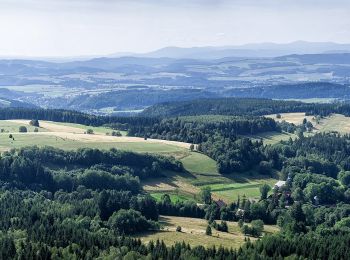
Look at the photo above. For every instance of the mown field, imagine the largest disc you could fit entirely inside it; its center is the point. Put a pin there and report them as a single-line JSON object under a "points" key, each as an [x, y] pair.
{"points": [[193, 232], [335, 122], [272, 137]]}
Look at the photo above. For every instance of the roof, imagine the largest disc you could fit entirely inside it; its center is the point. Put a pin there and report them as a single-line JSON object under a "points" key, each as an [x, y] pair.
{"points": [[280, 183], [220, 203]]}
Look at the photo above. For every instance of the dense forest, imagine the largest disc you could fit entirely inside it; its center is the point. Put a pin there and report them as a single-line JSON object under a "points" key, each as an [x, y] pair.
{"points": [[223, 138], [242, 106], [198, 129], [154, 114], [84, 204]]}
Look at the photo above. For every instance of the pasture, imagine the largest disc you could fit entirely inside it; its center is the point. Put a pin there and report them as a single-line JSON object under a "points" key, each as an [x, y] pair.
{"points": [[272, 137], [333, 123], [193, 232], [294, 118]]}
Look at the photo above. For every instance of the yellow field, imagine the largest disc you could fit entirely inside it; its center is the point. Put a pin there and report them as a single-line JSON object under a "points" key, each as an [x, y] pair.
{"points": [[71, 133], [335, 122], [193, 232], [294, 118]]}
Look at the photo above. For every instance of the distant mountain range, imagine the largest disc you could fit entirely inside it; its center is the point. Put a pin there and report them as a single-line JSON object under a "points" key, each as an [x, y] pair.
{"points": [[266, 50], [108, 85], [246, 50]]}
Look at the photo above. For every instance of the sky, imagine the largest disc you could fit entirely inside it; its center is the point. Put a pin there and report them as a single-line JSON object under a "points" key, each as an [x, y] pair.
{"points": [[61, 28]]}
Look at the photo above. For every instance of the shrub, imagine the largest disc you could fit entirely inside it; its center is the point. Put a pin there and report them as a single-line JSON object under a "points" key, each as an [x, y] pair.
{"points": [[22, 129], [34, 122], [208, 231], [116, 133]]}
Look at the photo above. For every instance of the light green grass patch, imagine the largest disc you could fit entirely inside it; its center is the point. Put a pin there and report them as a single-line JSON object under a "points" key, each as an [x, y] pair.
{"points": [[199, 163], [193, 232], [250, 188], [96, 129], [29, 139], [173, 197], [12, 127], [272, 137]]}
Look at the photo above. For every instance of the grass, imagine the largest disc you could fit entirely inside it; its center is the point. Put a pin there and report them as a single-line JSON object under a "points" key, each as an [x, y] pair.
{"points": [[295, 118], [173, 196], [28, 139], [96, 129], [248, 186], [199, 163], [272, 137], [336, 122], [201, 170], [193, 232], [11, 127]]}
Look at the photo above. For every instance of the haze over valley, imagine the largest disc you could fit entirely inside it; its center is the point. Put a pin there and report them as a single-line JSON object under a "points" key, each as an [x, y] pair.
{"points": [[110, 85]]}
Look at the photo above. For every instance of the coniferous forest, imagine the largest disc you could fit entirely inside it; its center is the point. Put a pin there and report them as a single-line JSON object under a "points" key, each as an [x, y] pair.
{"points": [[87, 203], [174, 130]]}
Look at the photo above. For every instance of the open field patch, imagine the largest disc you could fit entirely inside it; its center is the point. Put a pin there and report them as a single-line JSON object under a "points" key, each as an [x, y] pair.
{"points": [[173, 196], [200, 164], [249, 187], [272, 137], [193, 232], [74, 133], [334, 122], [13, 126], [294, 118]]}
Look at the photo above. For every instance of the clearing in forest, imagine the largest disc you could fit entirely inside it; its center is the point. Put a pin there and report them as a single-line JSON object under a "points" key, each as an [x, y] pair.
{"points": [[193, 232]]}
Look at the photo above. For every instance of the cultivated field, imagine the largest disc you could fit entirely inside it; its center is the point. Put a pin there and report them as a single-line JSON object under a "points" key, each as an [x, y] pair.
{"points": [[193, 232]]}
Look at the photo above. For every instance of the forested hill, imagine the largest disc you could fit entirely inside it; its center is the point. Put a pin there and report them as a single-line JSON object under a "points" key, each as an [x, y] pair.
{"points": [[153, 114], [242, 106]]}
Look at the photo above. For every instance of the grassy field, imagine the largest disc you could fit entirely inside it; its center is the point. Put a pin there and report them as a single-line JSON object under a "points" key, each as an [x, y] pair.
{"points": [[40, 140], [99, 129], [335, 122], [272, 137], [174, 197], [201, 170], [199, 163], [11, 127], [193, 232], [249, 188], [70, 136], [295, 118]]}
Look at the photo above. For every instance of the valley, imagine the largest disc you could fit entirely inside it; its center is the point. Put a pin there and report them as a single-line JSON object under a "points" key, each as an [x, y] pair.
{"points": [[113, 86]]}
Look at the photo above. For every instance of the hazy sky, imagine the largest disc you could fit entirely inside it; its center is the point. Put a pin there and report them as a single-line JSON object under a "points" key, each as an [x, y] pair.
{"points": [[87, 27]]}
